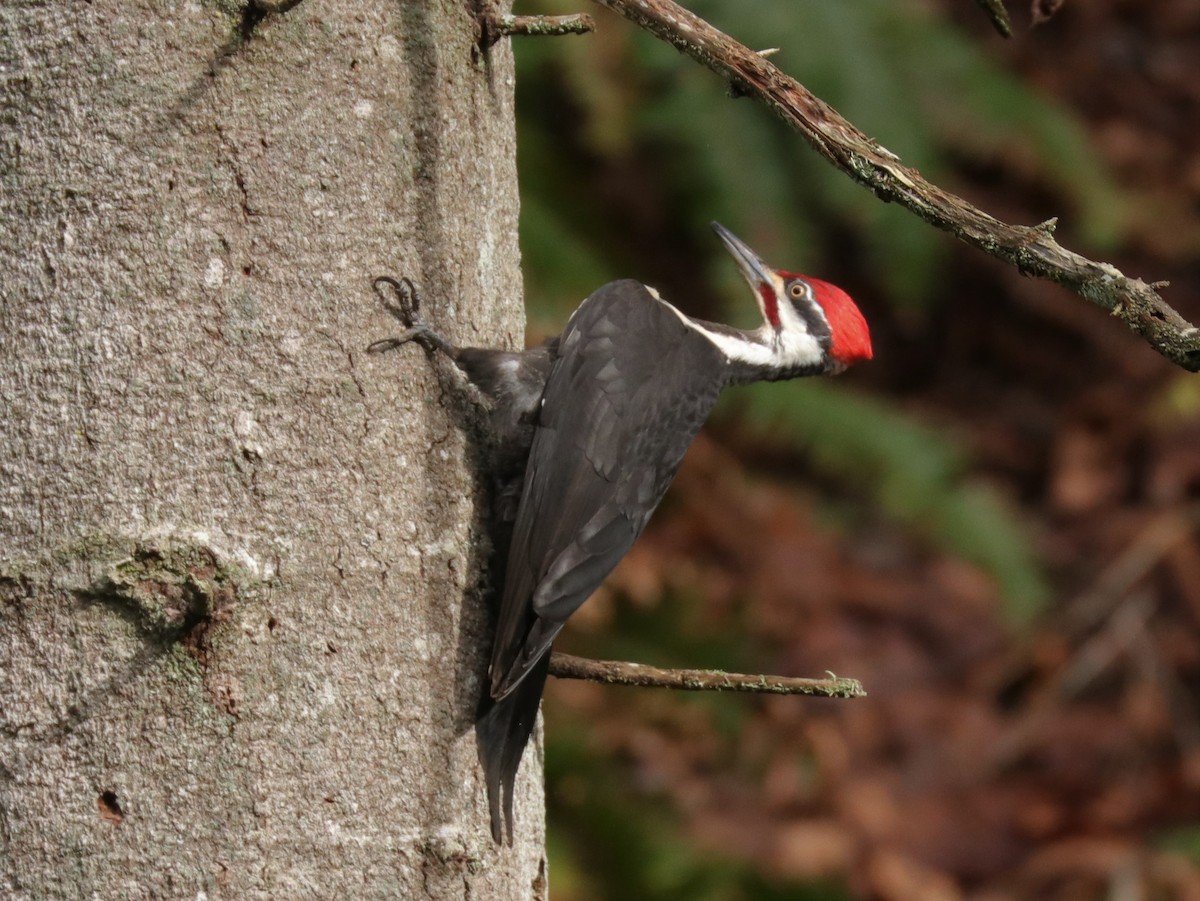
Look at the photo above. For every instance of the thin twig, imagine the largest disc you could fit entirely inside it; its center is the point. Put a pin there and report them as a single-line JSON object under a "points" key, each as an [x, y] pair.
{"points": [[995, 11], [494, 25], [545, 26], [1032, 249], [615, 672]]}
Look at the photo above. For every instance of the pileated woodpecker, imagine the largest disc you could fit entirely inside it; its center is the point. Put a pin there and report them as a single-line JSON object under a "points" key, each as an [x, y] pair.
{"points": [[589, 431]]}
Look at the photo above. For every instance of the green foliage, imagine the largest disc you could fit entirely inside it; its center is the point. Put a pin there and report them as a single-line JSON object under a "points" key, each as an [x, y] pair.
{"points": [[915, 475]]}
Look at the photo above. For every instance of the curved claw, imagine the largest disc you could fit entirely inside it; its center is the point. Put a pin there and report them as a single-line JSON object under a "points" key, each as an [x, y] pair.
{"points": [[407, 308], [383, 345], [409, 301]]}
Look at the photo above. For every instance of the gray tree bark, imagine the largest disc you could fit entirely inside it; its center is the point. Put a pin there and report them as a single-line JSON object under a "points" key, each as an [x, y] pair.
{"points": [[243, 622]]}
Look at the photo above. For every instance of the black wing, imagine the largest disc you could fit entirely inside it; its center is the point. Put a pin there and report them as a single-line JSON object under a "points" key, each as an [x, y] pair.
{"points": [[630, 388]]}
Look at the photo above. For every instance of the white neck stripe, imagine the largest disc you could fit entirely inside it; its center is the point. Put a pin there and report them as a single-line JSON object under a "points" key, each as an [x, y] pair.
{"points": [[790, 347]]}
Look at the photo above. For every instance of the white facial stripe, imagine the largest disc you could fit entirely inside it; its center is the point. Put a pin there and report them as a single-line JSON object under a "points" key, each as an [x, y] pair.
{"points": [[792, 346], [795, 330]]}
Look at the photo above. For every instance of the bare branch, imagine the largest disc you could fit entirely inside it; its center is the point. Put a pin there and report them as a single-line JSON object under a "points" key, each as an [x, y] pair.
{"points": [[1032, 249], [998, 14], [545, 26], [614, 672], [494, 25]]}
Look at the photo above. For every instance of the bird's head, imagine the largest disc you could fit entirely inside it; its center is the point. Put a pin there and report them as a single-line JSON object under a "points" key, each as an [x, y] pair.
{"points": [[810, 322]]}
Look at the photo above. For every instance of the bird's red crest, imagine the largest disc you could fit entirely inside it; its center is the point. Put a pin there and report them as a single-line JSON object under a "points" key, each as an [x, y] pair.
{"points": [[851, 339]]}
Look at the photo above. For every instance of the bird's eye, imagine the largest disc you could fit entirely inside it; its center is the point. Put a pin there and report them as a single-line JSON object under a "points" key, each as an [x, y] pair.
{"points": [[797, 290]]}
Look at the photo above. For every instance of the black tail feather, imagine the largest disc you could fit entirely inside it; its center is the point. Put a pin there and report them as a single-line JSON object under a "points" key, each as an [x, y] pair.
{"points": [[502, 731]]}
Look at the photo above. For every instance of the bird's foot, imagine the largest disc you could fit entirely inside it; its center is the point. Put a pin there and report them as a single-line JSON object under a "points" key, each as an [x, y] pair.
{"points": [[422, 334], [407, 308]]}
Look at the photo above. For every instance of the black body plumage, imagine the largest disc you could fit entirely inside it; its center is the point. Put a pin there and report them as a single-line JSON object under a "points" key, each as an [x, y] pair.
{"points": [[627, 388], [588, 433], [514, 382]]}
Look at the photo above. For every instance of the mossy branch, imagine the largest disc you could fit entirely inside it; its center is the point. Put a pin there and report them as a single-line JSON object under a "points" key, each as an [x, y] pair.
{"points": [[1032, 249], [614, 672], [544, 26], [494, 25]]}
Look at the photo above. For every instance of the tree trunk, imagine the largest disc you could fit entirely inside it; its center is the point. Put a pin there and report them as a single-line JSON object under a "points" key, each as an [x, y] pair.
{"points": [[243, 626]]}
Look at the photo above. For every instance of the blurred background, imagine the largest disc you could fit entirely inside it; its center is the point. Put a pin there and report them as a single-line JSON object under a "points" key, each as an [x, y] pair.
{"points": [[995, 525]]}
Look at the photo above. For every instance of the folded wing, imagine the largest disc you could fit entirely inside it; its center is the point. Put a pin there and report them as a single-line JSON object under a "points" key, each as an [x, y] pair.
{"points": [[630, 387]]}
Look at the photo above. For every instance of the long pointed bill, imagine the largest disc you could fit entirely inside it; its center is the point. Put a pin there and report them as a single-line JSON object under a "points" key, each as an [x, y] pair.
{"points": [[761, 277]]}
